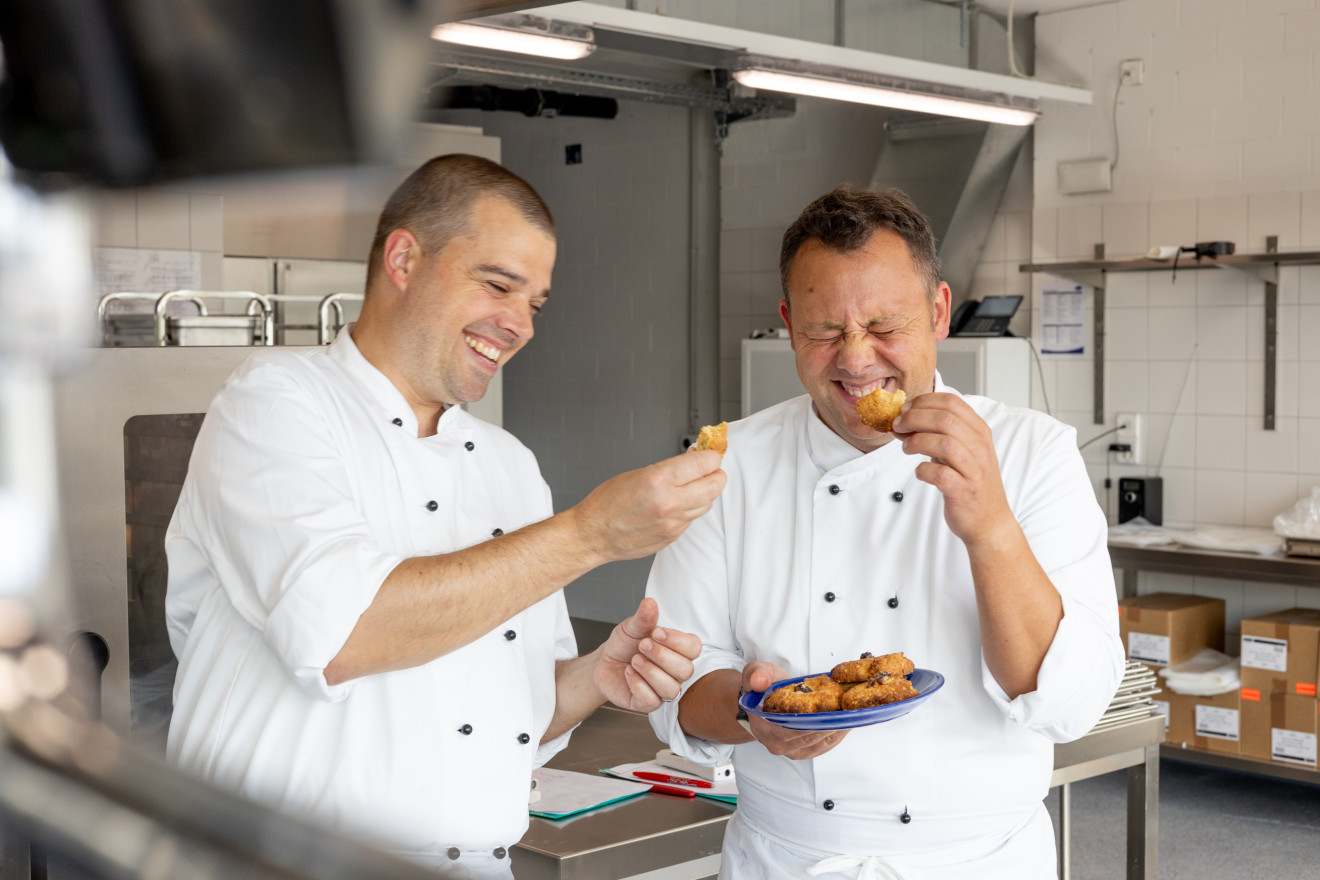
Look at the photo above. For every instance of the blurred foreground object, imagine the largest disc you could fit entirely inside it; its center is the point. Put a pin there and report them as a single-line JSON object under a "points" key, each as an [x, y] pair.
{"points": [[130, 92], [114, 812]]}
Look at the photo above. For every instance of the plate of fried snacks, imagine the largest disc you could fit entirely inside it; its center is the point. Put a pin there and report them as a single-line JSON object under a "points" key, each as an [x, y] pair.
{"points": [[855, 693]]}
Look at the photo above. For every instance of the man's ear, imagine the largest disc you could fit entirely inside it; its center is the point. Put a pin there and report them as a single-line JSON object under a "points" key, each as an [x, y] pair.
{"points": [[788, 321], [402, 254], [940, 311]]}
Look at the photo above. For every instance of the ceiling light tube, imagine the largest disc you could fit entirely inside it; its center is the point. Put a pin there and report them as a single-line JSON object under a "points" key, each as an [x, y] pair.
{"points": [[840, 84], [523, 34]]}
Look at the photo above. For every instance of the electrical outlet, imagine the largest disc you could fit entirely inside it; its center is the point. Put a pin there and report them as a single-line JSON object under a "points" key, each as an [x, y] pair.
{"points": [[1132, 71], [1129, 432]]}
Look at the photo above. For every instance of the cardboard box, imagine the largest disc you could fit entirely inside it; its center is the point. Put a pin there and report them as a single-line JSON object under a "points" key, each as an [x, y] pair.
{"points": [[1280, 728], [1281, 652], [1210, 724], [1164, 629]]}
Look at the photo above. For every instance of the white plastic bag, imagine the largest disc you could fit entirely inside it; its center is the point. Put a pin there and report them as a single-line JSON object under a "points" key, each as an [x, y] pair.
{"points": [[1209, 672], [1303, 520]]}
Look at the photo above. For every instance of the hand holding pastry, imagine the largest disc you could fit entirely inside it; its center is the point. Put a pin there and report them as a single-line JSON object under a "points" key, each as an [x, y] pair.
{"points": [[963, 464], [795, 744], [639, 512]]}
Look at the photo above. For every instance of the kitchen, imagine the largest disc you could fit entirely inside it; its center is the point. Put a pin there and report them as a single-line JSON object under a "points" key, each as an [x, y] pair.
{"points": [[1216, 145]]}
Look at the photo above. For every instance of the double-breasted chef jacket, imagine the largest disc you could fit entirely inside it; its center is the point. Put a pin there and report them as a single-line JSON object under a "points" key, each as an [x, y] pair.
{"points": [[308, 484], [816, 553]]}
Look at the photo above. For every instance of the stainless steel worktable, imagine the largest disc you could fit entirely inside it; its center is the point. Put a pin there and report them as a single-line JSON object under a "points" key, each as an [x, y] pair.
{"points": [[1297, 570], [655, 832]]}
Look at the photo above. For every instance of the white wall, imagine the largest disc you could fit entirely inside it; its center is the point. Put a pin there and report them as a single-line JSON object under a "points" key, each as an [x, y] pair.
{"points": [[770, 171], [1219, 142], [603, 387]]}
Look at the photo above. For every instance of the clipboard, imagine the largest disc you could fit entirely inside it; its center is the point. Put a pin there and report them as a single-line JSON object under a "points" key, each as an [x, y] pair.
{"points": [[567, 793]]}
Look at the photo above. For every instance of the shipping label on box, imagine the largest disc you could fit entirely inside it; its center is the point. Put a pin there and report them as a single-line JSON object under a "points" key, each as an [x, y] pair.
{"points": [[1216, 722], [1292, 746], [1148, 648], [1279, 727], [1164, 629], [1281, 652], [1259, 652]]}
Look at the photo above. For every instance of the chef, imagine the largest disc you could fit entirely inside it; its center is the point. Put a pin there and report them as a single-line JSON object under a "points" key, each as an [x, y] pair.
{"points": [[969, 539], [365, 580]]}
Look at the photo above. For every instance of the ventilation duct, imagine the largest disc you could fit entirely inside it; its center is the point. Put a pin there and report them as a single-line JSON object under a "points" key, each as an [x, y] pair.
{"points": [[956, 172]]}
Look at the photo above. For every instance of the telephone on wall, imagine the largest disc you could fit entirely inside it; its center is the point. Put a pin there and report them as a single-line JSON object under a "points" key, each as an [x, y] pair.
{"points": [[985, 317]]}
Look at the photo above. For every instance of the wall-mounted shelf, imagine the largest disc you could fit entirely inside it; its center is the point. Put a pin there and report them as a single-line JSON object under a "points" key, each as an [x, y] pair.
{"points": [[1264, 267]]}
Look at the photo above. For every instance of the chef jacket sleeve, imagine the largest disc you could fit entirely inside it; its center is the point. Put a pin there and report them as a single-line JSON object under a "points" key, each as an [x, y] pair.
{"points": [[565, 649], [1055, 505], [690, 582], [270, 506]]}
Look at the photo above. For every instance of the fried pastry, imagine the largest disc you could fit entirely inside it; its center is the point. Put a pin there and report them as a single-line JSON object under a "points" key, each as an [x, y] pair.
{"points": [[879, 409], [714, 437], [869, 666], [820, 693], [879, 690]]}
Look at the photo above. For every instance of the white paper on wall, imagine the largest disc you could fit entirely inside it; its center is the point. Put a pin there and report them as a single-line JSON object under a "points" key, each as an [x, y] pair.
{"points": [[141, 270], [1063, 320]]}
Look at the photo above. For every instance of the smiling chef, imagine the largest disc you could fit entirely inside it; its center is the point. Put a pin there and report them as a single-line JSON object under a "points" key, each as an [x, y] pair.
{"points": [[968, 537], [365, 581]]}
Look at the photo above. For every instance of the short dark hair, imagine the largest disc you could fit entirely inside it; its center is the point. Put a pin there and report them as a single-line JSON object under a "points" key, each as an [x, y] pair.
{"points": [[845, 219], [435, 203]]}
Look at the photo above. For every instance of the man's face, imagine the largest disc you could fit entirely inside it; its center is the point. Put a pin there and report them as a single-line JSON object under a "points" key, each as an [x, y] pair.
{"points": [[468, 309], [859, 321]]}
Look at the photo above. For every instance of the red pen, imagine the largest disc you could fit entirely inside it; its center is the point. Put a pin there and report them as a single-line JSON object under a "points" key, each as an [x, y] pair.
{"points": [[678, 792], [673, 780]]}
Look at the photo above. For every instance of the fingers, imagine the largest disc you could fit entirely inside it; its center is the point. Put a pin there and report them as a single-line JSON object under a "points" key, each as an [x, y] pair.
{"points": [[759, 675], [944, 428], [663, 657], [691, 465], [639, 512], [797, 745], [641, 696], [658, 670], [643, 621]]}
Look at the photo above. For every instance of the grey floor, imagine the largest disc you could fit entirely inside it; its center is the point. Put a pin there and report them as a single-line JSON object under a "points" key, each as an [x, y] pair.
{"points": [[1214, 825]]}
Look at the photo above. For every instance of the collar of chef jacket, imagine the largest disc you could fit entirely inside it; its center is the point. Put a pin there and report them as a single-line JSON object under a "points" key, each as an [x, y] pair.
{"points": [[344, 351], [828, 450]]}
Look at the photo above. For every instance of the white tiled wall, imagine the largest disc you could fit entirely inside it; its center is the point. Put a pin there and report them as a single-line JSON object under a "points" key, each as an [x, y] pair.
{"points": [[163, 219], [1219, 142], [771, 170], [603, 387]]}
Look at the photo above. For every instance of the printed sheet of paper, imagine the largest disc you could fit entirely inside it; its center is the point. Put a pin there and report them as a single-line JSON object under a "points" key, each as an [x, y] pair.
{"points": [[1063, 320], [139, 270]]}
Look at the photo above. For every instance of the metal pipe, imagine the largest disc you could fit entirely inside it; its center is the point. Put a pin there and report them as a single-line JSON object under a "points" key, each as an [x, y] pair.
{"points": [[703, 270], [102, 307], [324, 332]]}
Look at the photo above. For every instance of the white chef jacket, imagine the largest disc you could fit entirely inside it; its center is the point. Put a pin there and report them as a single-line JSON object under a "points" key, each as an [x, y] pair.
{"points": [[308, 484], [797, 563]]}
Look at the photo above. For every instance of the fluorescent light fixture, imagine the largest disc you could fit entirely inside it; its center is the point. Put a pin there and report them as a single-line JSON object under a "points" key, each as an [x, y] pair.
{"points": [[524, 34], [842, 84]]}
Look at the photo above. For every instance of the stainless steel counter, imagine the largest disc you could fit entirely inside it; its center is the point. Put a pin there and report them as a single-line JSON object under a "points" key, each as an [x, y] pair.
{"points": [[1297, 570], [646, 833], [680, 838]]}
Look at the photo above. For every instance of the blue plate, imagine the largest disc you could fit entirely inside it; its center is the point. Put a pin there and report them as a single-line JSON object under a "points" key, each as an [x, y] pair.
{"points": [[926, 682]]}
